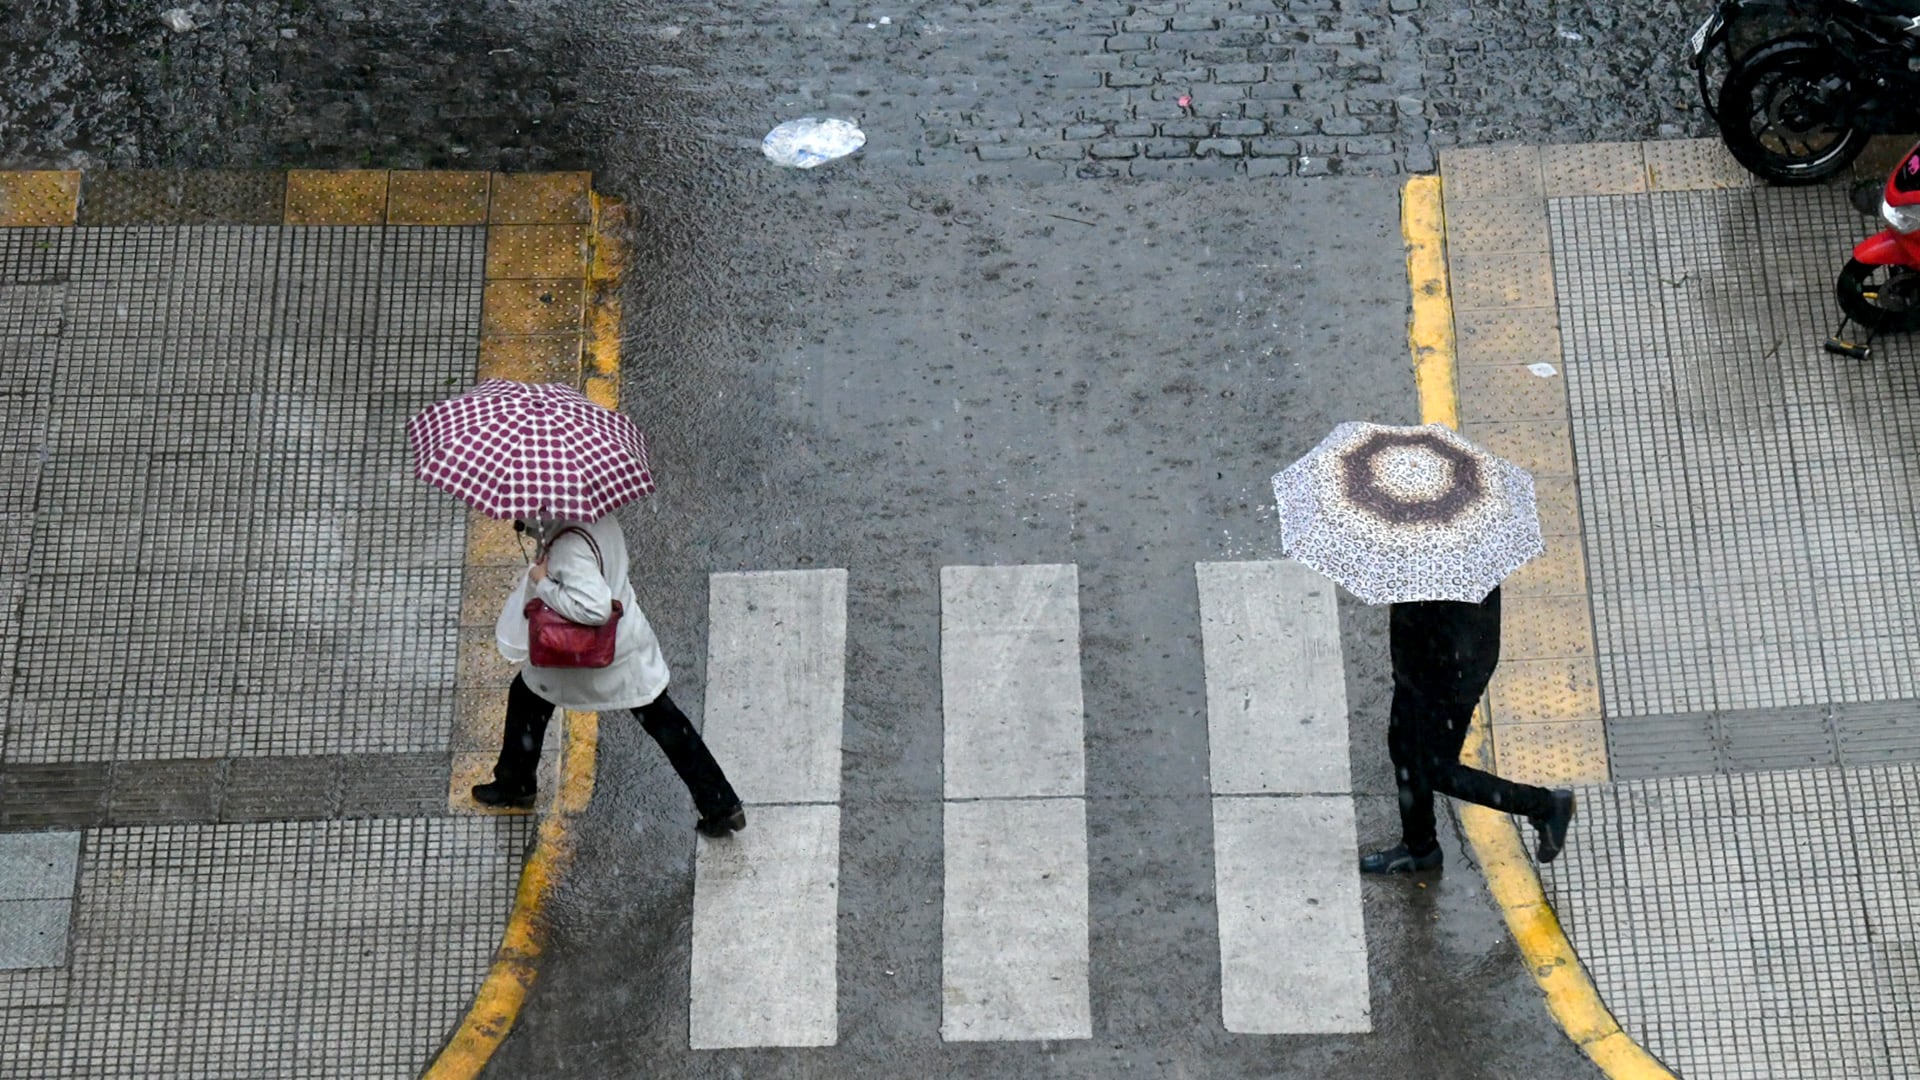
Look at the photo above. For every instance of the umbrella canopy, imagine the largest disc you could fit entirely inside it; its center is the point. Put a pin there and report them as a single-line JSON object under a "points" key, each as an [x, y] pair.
{"points": [[512, 450], [1398, 514]]}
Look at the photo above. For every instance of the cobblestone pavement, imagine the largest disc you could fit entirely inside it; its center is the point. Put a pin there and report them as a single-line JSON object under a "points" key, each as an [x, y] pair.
{"points": [[1183, 87], [1731, 638]]}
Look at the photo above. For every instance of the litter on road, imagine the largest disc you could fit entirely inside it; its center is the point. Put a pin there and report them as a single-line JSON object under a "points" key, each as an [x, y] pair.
{"points": [[809, 141]]}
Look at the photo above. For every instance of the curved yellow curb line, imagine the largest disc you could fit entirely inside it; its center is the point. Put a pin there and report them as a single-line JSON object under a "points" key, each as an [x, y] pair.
{"points": [[1571, 996], [516, 963]]}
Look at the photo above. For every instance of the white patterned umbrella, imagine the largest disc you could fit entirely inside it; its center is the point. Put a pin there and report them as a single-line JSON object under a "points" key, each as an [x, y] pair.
{"points": [[513, 450], [1398, 514]]}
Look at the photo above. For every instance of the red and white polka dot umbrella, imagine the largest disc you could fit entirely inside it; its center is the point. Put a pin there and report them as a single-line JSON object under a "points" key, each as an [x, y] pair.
{"points": [[514, 450]]}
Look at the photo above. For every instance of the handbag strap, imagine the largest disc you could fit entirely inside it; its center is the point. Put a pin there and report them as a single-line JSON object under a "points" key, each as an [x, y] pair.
{"points": [[588, 537]]}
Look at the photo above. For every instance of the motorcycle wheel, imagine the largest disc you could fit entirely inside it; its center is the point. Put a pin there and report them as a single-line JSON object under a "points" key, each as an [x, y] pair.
{"points": [[1784, 114], [1884, 299]]}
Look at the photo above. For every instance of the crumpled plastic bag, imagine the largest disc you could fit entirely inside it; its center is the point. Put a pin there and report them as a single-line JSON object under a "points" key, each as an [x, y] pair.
{"points": [[809, 141]]}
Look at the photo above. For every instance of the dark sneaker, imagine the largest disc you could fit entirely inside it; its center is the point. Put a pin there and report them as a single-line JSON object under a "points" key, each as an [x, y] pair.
{"points": [[1553, 828], [719, 825], [504, 796], [1398, 860]]}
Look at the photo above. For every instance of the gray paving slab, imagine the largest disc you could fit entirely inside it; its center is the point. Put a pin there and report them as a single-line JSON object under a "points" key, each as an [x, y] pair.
{"points": [[38, 865], [33, 933]]}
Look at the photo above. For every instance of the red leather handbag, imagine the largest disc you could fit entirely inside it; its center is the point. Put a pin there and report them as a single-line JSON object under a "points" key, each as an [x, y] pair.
{"points": [[556, 642]]}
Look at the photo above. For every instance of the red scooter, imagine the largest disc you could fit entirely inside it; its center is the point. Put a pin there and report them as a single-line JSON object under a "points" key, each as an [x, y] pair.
{"points": [[1879, 288]]}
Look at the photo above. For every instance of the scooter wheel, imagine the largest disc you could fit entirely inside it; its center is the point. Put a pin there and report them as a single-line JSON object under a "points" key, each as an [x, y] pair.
{"points": [[1786, 114], [1884, 299]]}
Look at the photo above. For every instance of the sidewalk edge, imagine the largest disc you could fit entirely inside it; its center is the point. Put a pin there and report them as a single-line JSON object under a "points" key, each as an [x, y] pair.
{"points": [[516, 964], [1572, 998]]}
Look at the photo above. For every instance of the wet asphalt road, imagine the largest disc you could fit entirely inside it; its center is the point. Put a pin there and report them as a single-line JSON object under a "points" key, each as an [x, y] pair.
{"points": [[891, 367], [852, 369]]}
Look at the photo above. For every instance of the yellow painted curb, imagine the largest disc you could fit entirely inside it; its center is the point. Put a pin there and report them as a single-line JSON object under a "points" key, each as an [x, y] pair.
{"points": [[516, 963], [1496, 842]]}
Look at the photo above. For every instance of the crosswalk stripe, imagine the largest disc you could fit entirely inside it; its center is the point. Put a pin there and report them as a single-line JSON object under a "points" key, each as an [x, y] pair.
{"points": [[1014, 928], [1293, 957], [776, 687], [1010, 678]]}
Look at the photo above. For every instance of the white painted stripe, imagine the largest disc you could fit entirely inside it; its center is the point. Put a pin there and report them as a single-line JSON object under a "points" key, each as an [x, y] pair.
{"points": [[1014, 939], [1010, 679], [776, 682], [1276, 687], [766, 900], [765, 912], [1293, 948]]}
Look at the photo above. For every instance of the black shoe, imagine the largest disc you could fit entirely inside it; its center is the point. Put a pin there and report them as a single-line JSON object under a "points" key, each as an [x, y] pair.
{"points": [[1553, 827], [1398, 860], [505, 796], [719, 825]]}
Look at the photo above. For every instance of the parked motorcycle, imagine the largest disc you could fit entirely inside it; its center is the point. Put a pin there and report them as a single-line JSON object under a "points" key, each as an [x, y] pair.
{"points": [[1734, 31], [1799, 106], [1879, 288]]}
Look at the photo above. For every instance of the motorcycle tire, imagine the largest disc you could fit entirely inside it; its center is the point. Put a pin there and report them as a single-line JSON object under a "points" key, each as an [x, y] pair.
{"points": [[1785, 114], [1884, 299]]}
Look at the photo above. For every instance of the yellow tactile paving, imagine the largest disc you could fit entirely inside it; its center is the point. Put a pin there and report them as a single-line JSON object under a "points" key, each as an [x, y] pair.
{"points": [[538, 359], [533, 307], [482, 590], [1508, 392], [480, 663], [1542, 447], [1530, 691], [1561, 753], [1491, 172], [39, 198], [336, 197], [1693, 165], [478, 717], [537, 251], [1501, 279], [1498, 225], [493, 543], [1561, 570], [1545, 627], [1512, 336], [1592, 169], [437, 198], [552, 198]]}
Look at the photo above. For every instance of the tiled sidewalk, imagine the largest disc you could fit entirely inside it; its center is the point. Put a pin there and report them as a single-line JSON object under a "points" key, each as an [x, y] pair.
{"points": [[239, 708], [1723, 624]]}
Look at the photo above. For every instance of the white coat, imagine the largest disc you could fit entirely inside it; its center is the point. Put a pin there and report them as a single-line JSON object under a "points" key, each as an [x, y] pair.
{"points": [[575, 588]]}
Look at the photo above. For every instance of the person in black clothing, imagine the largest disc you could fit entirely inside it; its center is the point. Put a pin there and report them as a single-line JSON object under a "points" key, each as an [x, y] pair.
{"points": [[1444, 653]]}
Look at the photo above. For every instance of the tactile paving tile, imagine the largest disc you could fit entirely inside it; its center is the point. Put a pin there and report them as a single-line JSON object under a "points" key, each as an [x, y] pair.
{"points": [[1530, 691], [1511, 224], [1777, 738], [554, 198], [1561, 570], [1693, 165], [1561, 753], [1878, 732], [1501, 392], [533, 307], [1491, 172], [336, 197], [38, 198], [1544, 627], [182, 197], [1593, 169], [1496, 279], [1507, 336], [437, 198], [550, 358], [537, 251], [1543, 448]]}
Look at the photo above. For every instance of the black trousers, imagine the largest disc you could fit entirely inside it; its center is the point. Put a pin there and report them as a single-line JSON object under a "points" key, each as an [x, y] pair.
{"points": [[526, 727], [1424, 737]]}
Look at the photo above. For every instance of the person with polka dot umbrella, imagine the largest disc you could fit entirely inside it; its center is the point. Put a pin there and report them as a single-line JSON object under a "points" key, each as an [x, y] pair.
{"points": [[559, 466], [1420, 519]]}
